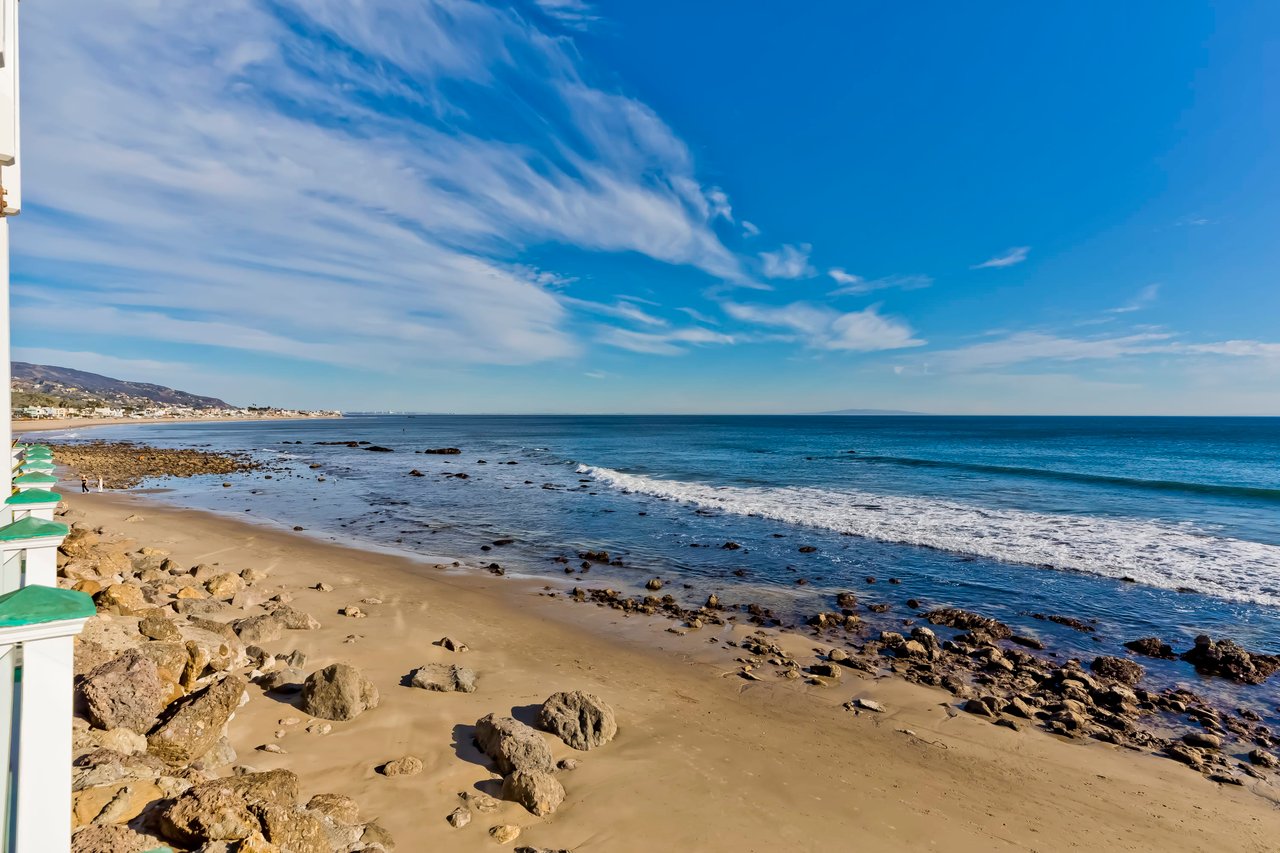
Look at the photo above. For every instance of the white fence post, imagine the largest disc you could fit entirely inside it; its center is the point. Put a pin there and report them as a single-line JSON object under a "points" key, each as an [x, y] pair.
{"points": [[36, 503], [29, 546], [39, 625]]}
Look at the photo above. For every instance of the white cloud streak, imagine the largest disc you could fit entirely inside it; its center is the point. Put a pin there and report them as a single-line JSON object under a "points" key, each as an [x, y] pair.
{"points": [[819, 327], [854, 285], [1007, 258]]}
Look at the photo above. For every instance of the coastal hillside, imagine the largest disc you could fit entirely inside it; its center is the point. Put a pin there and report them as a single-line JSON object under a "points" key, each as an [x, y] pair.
{"points": [[48, 386]]}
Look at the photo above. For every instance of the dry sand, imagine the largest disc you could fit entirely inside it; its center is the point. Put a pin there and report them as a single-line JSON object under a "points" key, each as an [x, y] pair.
{"points": [[704, 761]]}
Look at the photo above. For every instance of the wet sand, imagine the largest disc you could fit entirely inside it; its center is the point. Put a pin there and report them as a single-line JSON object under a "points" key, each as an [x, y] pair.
{"points": [[704, 760]]}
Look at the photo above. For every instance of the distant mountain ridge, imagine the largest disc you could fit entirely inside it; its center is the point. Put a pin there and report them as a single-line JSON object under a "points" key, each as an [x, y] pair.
{"points": [[37, 384]]}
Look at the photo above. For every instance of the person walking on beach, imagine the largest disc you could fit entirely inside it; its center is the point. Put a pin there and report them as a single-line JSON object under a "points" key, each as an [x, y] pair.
{"points": [[100, 483], [84, 484]]}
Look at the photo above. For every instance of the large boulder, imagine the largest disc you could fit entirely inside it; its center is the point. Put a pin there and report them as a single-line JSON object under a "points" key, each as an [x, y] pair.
{"points": [[582, 720], [512, 745], [224, 809], [540, 793], [338, 692], [256, 630], [193, 725], [295, 620], [126, 692], [444, 678]]}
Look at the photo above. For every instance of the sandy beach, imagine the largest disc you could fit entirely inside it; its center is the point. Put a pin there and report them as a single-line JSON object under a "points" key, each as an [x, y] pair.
{"points": [[703, 759], [49, 425]]}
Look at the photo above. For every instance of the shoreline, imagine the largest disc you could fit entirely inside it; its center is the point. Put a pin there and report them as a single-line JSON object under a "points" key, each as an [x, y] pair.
{"points": [[51, 425], [741, 764]]}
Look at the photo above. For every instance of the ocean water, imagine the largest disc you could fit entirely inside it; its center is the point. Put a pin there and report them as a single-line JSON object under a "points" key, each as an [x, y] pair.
{"points": [[1150, 526]]}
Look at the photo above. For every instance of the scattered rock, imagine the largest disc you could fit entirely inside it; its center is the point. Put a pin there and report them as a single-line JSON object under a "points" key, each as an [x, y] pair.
{"points": [[444, 678], [459, 817], [452, 645], [504, 834], [540, 793], [512, 745], [407, 766]]}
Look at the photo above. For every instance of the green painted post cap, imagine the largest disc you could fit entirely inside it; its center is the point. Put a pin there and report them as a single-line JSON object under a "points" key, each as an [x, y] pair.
{"points": [[39, 448], [36, 467], [33, 496], [33, 457], [36, 479], [32, 528], [33, 605]]}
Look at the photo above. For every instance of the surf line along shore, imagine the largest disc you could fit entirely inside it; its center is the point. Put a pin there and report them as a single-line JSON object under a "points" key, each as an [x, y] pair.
{"points": [[703, 759]]}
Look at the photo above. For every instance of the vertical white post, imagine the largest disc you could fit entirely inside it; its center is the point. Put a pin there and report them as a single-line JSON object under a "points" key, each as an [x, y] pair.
{"points": [[11, 182], [43, 777], [6, 403], [42, 623]]}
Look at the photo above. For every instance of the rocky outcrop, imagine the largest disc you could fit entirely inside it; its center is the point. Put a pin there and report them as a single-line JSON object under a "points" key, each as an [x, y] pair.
{"points": [[582, 720], [1225, 659], [338, 692]]}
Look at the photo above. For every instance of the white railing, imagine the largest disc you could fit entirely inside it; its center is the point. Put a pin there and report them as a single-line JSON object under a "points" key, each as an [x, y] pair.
{"points": [[38, 626]]}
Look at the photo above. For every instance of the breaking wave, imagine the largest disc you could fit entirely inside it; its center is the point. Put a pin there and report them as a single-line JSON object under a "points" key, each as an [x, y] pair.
{"points": [[1161, 554]]}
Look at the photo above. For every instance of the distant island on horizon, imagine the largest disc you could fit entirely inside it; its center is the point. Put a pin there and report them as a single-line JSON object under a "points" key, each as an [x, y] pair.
{"points": [[870, 412]]}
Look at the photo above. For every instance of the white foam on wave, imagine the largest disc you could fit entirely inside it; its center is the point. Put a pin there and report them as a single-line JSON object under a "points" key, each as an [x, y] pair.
{"points": [[1152, 552]]}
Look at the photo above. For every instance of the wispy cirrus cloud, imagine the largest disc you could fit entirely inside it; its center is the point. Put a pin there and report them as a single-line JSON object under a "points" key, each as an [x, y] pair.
{"points": [[1007, 258], [853, 285], [819, 327], [575, 14], [1144, 298], [788, 262], [672, 342], [1030, 347], [307, 190]]}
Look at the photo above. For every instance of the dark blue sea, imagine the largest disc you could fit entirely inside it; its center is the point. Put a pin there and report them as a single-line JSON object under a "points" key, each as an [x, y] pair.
{"points": [[1150, 526]]}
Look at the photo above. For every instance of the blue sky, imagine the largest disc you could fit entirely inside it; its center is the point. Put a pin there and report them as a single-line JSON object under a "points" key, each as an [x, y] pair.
{"points": [[565, 205]]}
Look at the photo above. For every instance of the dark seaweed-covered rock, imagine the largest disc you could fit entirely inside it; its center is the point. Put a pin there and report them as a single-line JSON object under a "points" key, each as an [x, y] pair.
{"points": [[1226, 659], [1151, 647], [1119, 669], [953, 617]]}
